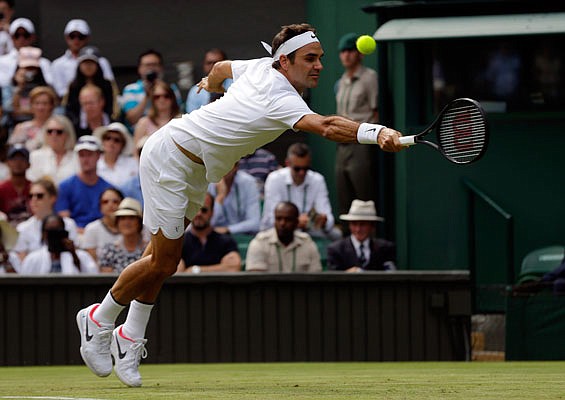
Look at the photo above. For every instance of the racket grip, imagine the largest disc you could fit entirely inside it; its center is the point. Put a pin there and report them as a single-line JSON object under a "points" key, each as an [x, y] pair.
{"points": [[407, 140]]}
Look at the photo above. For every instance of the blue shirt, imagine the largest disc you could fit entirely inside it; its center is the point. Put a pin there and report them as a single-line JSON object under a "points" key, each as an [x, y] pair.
{"points": [[241, 210], [80, 199], [212, 252], [132, 188], [196, 100]]}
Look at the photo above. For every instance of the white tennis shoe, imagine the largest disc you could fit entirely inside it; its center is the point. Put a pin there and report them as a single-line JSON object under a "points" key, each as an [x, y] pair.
{"points": [[95, 339], [127, 355]]}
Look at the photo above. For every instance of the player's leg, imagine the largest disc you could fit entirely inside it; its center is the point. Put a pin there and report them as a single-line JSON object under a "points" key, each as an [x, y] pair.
{"points": [[128, 342]]}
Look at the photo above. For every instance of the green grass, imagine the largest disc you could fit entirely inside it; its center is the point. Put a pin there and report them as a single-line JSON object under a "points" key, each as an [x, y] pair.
{"points": [[398, 380]]}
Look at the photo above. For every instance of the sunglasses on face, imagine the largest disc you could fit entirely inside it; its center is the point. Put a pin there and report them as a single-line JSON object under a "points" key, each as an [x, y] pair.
{"points": [[106, 201], [76, 35], [39, 196], [114, 139], [159, 96], [52, 131], [204, 210], [24, 35], [298, 169]]}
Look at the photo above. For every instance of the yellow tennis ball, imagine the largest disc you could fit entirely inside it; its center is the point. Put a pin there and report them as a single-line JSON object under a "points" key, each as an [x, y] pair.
{"points": [[366, 44]]}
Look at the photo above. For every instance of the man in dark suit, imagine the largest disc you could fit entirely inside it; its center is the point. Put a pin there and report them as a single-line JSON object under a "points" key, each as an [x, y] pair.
{"points": [[360, 251]]}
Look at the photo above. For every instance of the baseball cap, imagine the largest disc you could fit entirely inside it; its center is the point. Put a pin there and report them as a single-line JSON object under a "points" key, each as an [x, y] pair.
{"points": [[347, 41], [88, 142], [18, 148], [88, 53], [77, 25], [21, 23], [29, 57]]}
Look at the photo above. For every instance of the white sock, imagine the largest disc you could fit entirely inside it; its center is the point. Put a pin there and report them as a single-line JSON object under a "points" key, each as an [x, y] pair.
{"points": [[137, 319], [108, 310]]}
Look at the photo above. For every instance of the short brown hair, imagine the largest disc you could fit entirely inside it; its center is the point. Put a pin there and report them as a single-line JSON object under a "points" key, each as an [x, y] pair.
{"points": [[288, 32]]}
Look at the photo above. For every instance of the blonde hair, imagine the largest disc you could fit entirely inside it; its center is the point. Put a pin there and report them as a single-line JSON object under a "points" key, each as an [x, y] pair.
{"points": [[67, 127], [39, 90]]}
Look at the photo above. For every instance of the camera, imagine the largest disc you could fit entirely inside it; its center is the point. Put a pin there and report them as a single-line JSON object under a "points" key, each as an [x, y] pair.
{"points": [[55, 240], [151, 76]]}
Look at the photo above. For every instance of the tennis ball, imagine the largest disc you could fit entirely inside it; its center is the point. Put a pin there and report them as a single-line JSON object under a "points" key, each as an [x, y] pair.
{"points": [[365, 44]]}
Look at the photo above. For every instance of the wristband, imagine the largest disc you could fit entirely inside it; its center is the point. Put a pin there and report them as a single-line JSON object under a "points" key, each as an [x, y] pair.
{"points": [[368, 133]]}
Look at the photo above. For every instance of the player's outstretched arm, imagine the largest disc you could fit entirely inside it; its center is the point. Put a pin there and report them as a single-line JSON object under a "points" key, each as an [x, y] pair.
{"points": [[219, 73], [343, 130]]}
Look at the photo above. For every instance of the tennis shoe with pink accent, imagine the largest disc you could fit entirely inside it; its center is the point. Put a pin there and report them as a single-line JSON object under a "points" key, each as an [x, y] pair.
{"points": [[95, 339], [127, 354]]}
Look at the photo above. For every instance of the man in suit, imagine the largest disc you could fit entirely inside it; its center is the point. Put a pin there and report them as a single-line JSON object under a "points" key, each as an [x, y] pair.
{"points": [[360, 251]]}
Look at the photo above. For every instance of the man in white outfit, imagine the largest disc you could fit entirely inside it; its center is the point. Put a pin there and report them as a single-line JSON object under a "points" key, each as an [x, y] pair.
{"points": [[180, 160]]}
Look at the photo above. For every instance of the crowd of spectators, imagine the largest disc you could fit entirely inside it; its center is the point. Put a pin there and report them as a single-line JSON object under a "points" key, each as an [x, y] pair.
{"points": [[70, 197]]}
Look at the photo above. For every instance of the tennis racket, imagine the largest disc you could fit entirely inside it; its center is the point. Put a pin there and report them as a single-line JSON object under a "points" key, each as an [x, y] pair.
{"points": [[461, 132]]}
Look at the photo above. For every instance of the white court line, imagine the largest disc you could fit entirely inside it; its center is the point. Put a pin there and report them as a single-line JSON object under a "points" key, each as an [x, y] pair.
{"points": [[46, 398]]}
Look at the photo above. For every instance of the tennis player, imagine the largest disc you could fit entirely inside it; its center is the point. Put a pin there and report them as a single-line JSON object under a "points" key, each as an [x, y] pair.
{"points": [[180, 159]]}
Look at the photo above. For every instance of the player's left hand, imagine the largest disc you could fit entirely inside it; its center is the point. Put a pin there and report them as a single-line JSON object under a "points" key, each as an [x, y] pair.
{"points": [[209, 86]]}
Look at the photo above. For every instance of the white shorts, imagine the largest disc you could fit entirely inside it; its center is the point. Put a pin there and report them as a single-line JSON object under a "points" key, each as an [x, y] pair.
{"points": [[173, 186]]}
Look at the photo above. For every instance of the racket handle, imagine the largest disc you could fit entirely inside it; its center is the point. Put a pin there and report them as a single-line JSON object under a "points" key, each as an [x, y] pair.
{"points": [[407, 140]]}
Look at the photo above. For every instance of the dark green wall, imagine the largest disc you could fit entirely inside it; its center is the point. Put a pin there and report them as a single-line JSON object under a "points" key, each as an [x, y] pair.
{"points": [[332, 19]]}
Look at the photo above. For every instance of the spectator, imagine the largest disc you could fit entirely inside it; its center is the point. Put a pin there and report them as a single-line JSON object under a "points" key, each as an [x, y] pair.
{"points": [[14, 191], [58, 254], [130, 244], [305, 188], [163, 108], [132, 187], [56, 158], [90, 72], [136, 96], [205, 250], [6, 13], [236, 203], [8, 238], [16, 97], [195, 100], [116, 165], [77, 193], [42, 198], [92, 113], [103, 230], [259, 164], [360, 251], [23, 34], [4, 170], [356, 98], [42, 102], [283, 248], [77, 34]]}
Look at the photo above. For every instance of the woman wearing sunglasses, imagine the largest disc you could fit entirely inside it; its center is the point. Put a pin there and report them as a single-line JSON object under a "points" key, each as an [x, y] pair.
{"points": [[55, 158], [42, 198]]}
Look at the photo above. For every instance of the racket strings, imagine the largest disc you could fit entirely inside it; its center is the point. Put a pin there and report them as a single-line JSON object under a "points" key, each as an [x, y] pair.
{"points": [[462, 133]]}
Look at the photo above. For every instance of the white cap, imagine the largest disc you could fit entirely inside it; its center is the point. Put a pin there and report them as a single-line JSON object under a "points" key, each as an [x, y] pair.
{"points": [[88, 142], [120, 128], [77, 25], [21, 23]]}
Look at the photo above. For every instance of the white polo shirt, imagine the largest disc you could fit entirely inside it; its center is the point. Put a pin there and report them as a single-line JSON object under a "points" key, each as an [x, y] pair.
{"points": [[258, 107]]}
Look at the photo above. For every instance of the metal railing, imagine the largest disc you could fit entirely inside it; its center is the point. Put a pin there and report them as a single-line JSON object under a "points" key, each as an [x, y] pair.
{"points": [[475, 193]]}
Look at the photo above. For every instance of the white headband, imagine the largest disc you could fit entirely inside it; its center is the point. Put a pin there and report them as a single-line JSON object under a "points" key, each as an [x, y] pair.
{"points": [[292, 44]]}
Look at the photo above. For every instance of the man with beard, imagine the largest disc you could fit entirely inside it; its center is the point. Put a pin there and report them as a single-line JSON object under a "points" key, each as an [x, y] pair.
{"points": [[205, 250], [283, 248]]}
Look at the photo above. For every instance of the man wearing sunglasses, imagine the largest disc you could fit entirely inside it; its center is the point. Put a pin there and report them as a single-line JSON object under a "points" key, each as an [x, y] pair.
{"points": [[77, 34], [22, 31], [307, 189]]}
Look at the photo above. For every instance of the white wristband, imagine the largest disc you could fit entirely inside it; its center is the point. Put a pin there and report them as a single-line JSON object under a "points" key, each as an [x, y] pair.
{"points": [[368, 133]]}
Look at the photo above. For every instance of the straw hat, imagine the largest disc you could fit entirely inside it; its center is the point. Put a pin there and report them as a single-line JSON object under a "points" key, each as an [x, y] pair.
{"points": [[129, 207], [362, 211]]}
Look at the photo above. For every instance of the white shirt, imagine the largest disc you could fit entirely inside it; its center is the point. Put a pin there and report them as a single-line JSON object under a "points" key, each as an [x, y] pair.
{"points": [[126, 167], [6, 44], [39, 262], [9, 64], [64, 70], [312, 193], [96, 235], [29, 234], [43, 162], [257, 108]]}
